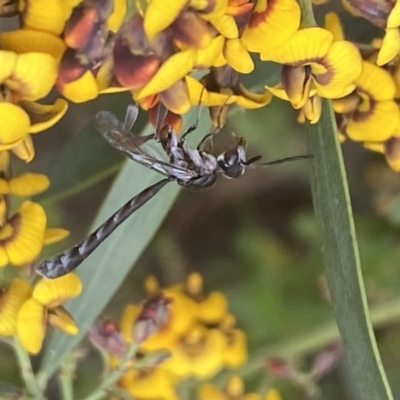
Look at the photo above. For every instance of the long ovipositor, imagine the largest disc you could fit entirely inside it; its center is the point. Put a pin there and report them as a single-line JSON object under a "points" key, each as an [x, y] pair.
{"points": [[66, 262]]}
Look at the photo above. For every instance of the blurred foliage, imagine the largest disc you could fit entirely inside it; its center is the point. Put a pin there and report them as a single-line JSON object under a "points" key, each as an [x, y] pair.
{"points": [[255, 239]]}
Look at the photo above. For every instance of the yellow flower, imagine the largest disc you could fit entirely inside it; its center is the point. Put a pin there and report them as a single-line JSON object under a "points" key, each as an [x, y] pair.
{"points": [[186, 19], [43, 15], [236, 348], [385, 15], [25, 185], [392, 152], [199, 353], [233, 391], [372, 114], [45, 307], [273, 394], [152, 384], [390, 148], [220, 88], [315, 64], [271, 25], [211, 309], [25, 78], [86, 67], [22, 237], [11, 301], [182, 315]]}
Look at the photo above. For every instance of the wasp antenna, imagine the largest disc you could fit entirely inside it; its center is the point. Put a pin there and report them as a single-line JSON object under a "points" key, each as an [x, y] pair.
{"points": [[286, 159], [253, 160]]}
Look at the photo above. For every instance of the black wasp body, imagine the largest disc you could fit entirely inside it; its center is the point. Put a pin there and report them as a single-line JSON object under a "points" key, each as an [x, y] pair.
{"points": [[192, 168]]}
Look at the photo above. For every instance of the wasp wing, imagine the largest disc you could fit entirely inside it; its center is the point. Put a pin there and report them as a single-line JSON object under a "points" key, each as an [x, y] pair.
{"points": [[138, 148]]}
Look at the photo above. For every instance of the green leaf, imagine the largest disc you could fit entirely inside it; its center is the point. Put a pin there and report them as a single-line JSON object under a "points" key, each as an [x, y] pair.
{"points": [[103, 272], [341, 258]]}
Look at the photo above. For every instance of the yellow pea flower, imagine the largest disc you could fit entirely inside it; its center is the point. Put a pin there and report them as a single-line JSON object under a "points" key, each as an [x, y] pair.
{"points": [[45, 307]]}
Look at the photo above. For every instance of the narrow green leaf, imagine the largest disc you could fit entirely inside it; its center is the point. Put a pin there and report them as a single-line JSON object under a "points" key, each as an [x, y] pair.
{"points": [[103, 272], [341, 258]]}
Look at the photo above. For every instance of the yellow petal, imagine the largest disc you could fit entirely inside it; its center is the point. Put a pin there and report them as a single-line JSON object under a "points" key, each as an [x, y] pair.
{"points": [[343, 66], [10, 304], [44, 116], [160, 14], [60, 318], [156, 383], [390, 46], [205, 362], [69, 5], [5, 162], [174, 69], [378, 147], [333, 25], [44, 15], [209, 391], [271, 25], [8, 60], [226, 26], [377, 125], [176, 98], [27, 40], [31, 325], [210, 9], [273, 394], [29, 184], [25, 149], [213, 308], [83, 89], [393, 20], [238, 57], [235, 387], [305, 46], [205, 58], [252, 100], [312, 110], [199, 95], [34, 75], [346, 104], [278, 91], [14, 125], [4, 187], [236, 351], [116, 19], [377, 82], [191, 30], [28, 234], [54, 235], [55, 292]]}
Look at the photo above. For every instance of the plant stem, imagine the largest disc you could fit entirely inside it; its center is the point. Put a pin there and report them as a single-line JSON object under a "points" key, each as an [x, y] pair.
{"points": [[66, 378], [114, 376], [26, 371], [319, 337]]}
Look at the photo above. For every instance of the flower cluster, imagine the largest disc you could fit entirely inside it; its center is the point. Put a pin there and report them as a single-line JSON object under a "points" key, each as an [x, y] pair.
{"points": [[370, 113], [26, 311], [180, 333], [234, 390]]}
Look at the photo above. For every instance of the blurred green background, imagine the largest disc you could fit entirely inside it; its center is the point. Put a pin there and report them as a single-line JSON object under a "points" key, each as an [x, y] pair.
{"points": [[254, 239]]}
